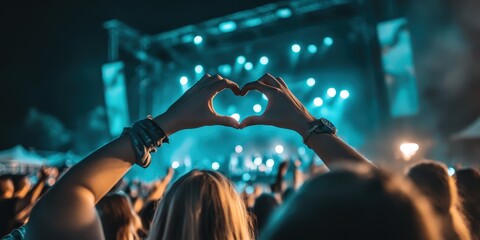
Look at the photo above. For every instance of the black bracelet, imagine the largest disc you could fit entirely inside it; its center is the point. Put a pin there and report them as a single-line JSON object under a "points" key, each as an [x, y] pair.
{"points": [[146, 136]]}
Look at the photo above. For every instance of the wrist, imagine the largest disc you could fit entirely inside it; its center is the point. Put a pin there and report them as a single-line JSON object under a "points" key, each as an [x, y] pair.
{"points": [[301, 126], [167, 124]]}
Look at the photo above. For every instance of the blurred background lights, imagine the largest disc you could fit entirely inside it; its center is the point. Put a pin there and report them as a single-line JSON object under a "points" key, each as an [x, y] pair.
{"points": [[215, 165], [284, 13], [312, 49], [318, 101], [344, 94], [328, 41], [246, 177], [241, 59], [310, 82], [257, 108], [175, 164], [197, 39], [257, 161], [270, 163], [238, 148], [296, 48], [228, 26], [199, 69], [264, 60], [264, 97], [451, 171], [279, 149], [408, 150], [248, 66], [236, 116], [183, 80], [331, 92], [302, 150], [225, 69]]}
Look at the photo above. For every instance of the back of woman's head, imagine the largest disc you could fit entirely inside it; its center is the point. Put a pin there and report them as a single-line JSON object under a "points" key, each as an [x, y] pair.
{"points": [[432, 179], [264, 207], [354, 204], [468, 182], [201, 205], [118, 218]]}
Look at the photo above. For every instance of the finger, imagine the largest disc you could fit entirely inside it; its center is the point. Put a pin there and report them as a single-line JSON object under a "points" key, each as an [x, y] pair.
{"points": [[269, 79], [280, 80], [226, 83], [227, 121], [259, 86], [204, 79], [253, 120], [215, 78]]}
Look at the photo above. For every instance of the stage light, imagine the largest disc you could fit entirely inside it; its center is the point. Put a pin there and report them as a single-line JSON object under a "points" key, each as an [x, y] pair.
{"points": [[199, 69], [257, 161], [312, 48], [279, 149], [270, 163], [344, 94], [197, 39], [236, 116], [253, 22], [302, 150], [310, 82], [264, 97], [264, 60], [228, 26], [451, 171], [225, 69], [248, 66], [328, 41], [296, 48], [331, 92], [317, 102], [408, 150], [284, 13], [215, 165], [183, 80], [249, 190], [257, 108], [238, 148], [175, 164], [241, 59], [246, 177]]}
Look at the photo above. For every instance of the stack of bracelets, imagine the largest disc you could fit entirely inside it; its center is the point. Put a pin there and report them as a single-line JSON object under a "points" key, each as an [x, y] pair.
{"points": [[146, 136]]}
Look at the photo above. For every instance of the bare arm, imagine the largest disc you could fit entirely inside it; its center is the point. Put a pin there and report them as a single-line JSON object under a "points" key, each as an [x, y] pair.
{"points": [[284, 110], [67, 211]]}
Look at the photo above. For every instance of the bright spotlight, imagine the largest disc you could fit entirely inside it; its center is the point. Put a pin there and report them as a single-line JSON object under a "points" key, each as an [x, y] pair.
{"points": [[183, 80], [241, 59], [451, 171], [284, 12], [257, 161], [228, 26], [312, 48], [310, 82], [328, 41], [215, 165], [236, 116], [331, 92], [344, 94], [248, 66], [225, 69], [279, 149], [199, 69], [175, 164], [296, 48], [197, 39], [246, 177], [318, 102], [302, 150], [264, 60], [270, 163], [408, 150], [257, 108], [238, 148]]}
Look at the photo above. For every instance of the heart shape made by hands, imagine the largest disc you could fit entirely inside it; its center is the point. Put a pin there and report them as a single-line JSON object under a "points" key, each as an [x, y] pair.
{"points": [[239, 107]]}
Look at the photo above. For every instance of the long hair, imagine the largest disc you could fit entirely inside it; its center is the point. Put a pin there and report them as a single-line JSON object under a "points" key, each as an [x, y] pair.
{"points": [[468, 182], [201, 205], [119, 221], [432, 179], [360, 203]]}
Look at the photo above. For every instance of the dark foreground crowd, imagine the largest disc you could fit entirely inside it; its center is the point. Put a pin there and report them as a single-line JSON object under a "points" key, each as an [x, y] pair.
{"points": [[354, 199]]}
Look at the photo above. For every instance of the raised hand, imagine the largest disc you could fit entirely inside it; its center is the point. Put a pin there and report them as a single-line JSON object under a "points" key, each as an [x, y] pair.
{"points": [[284, 110], [195, 109]]}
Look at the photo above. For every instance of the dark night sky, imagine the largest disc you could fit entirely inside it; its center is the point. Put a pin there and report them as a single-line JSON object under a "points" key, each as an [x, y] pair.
{"points": [[52, 51]]}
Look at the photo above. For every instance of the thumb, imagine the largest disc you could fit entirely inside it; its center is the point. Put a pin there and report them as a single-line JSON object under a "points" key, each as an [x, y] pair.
{"points": [[253, 120], [228, 121]]}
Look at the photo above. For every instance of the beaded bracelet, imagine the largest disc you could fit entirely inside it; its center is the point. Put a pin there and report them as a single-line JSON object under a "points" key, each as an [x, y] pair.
{"points": [[146, 136]]}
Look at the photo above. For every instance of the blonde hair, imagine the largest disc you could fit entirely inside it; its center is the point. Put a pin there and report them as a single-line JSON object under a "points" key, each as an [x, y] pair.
{"points": [[432, 179], [201, 205]]}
